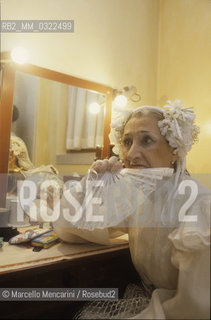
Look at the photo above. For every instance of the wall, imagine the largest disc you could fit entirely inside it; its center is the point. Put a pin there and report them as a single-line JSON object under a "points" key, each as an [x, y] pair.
{"points": [[184, 69], [114, 43]]}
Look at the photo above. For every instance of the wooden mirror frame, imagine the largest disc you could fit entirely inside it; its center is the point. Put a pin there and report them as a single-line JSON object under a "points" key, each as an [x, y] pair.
{"points": [[6, 104]]}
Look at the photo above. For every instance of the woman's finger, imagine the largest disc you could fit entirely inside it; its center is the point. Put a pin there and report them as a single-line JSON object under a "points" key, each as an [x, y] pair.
{"points": [[116, 167], [113, 160], [112, 165], [100, 166]]}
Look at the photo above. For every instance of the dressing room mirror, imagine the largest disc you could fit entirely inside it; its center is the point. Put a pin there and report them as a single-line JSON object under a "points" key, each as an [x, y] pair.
{"points": [[57, 120], [42, 98], [57, 111]]}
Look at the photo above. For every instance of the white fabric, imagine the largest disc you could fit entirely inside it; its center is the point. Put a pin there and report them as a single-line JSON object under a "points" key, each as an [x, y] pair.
{"points": [[104, 192], [84, 129], [171, 255], [19, 149]]}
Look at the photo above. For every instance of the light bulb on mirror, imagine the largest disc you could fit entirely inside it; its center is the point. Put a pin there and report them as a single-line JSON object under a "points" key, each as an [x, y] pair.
{"points": [[207, 127], [120, 101], [94, 107], [20, 55]]}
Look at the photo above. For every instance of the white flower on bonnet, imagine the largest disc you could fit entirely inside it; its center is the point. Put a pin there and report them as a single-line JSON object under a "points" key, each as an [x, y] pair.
{"points": [[177, 127]]}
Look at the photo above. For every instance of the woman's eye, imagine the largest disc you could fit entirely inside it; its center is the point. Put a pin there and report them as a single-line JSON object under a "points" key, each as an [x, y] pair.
{"points": [[127, 142], [147, 140]]}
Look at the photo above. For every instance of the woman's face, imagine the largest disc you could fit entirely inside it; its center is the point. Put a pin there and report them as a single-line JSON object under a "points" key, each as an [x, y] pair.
{"points": [[143, 146]]}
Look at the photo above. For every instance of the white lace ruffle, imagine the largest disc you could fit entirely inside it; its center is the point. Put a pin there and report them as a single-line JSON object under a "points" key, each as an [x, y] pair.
{"points": [[111, 198]]}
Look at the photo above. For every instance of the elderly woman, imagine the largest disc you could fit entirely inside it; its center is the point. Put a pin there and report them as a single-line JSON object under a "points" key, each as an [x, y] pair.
{"points": [[166, 216]]}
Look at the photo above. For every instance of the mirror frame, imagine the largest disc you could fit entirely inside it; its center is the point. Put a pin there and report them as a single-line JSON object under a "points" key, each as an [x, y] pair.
{"points": [[6, 104]]}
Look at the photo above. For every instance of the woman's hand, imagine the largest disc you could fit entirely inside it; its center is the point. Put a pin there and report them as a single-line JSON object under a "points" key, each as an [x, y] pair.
{"points": [[112, 165]]}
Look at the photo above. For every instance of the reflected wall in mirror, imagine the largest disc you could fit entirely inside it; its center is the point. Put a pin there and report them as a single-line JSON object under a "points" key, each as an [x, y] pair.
{"points": [[54, 118], [48, 123]]}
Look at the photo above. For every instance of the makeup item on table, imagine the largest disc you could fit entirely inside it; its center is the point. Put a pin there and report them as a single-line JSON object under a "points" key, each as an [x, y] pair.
{"points": [[46, 240], [27, 236]]}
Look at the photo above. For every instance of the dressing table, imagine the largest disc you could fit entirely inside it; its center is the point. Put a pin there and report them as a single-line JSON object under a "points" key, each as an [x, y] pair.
{"points": [[62, 266]]}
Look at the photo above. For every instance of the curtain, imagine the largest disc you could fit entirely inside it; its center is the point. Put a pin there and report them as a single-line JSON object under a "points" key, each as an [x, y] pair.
{"points": [[84, 129]]}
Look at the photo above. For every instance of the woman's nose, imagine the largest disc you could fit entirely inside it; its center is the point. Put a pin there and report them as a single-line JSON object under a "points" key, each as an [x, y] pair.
{"points": [[133, 153]]}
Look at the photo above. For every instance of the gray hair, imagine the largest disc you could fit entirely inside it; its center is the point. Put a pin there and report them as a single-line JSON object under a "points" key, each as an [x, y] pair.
{"points": [[146, 111]]}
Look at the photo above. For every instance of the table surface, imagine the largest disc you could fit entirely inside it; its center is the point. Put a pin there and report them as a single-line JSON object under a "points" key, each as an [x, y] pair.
{"points": [[18, 257], [63, 266]]}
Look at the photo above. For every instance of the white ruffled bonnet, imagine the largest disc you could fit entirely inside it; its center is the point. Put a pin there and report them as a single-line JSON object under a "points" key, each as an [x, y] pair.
{"points": [[177, 126]]}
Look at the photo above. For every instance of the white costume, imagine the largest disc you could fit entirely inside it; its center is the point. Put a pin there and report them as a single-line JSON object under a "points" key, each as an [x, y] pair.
{"points": [[172, 256], [169, 253]]}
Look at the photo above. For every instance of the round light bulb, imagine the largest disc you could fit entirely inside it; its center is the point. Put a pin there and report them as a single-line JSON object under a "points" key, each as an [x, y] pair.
{"points": [[94, 108], [207, 127], [120, 101], [19, 55]]}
